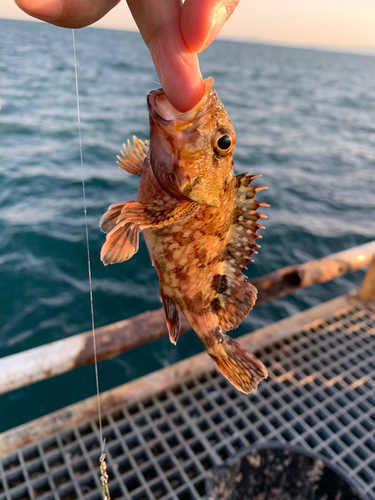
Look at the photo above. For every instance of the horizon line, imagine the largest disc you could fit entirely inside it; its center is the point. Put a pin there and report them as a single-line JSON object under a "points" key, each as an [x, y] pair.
{"points": [[365, 50]]}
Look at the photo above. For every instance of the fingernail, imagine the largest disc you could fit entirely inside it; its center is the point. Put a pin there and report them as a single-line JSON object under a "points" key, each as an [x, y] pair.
{"points": [[219, 17]]}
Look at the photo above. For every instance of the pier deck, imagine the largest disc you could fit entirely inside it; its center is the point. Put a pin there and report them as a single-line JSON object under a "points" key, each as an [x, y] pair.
{"points": [[164, 432]]}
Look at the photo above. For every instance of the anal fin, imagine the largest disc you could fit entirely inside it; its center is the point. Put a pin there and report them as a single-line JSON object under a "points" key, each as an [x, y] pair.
{"points": [[133, 156], [171, 316]]}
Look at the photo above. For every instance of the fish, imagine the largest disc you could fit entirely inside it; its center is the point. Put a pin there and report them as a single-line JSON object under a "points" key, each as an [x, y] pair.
{"points": [[199, 222]]}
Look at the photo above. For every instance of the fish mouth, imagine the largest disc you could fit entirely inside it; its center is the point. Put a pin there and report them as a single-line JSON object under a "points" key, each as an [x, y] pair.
{"points": [[172, 131], [162, 111]]}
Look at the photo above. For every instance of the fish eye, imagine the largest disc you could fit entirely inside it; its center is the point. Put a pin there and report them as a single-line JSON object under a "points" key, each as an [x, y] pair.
{"points": [[224, 142]]}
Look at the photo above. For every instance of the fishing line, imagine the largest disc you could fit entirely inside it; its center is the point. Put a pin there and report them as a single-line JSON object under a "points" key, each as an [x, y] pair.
{"points": [[88, 249]]}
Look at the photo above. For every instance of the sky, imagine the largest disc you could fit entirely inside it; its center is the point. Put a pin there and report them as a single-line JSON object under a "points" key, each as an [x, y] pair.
{"points": [[338, 24]]}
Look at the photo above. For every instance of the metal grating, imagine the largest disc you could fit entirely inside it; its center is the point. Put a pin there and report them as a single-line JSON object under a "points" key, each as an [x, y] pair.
{"points": [[320, 394]]}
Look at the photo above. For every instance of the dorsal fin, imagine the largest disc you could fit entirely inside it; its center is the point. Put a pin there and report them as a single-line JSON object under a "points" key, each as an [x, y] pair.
{"points": [[235, 296], [133, 156]]}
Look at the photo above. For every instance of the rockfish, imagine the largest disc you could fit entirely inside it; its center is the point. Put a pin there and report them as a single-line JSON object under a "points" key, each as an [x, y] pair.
{"points": [[199, 222]]}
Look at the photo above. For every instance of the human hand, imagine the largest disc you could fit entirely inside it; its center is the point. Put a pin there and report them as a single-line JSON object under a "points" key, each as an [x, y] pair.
{"points": [[173, 32]]}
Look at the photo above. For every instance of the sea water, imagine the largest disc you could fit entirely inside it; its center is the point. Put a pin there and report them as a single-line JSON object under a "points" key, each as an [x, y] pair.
{"points": [[304, 119]]}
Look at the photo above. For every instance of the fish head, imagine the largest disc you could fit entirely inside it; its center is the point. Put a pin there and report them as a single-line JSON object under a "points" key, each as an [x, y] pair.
{"points": [[191, 153]]}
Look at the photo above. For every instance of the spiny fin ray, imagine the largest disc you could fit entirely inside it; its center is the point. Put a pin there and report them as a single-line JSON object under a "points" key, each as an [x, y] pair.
{"points": [[133, 156], [233, 304]]}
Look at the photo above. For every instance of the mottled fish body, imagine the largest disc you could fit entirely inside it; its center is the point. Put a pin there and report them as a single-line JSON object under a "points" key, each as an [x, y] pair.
{"points": [[199, 222]]}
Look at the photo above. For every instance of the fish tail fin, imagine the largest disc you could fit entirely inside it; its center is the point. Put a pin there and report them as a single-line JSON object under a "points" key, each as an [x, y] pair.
{"points": [[239, 366]]}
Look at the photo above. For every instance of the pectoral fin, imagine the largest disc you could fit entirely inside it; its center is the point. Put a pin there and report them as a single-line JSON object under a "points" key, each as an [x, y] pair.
{"points": [[120, 245], [120, 222], [124, 221], [142, 215], [111, 217], [133, 156], [157, 219]]}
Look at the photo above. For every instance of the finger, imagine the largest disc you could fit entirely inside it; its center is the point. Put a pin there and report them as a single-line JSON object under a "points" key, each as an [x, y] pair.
{"points": [[202, 21], [178, 71], [177, 66], [67, 13]]}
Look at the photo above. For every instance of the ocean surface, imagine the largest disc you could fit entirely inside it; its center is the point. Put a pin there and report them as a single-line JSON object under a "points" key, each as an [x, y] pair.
{"points": [[304, 119]]}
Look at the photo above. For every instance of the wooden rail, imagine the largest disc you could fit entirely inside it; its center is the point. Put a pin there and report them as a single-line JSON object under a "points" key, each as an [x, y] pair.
{"points": [[165, 378], [292, 278], [34, 365]]}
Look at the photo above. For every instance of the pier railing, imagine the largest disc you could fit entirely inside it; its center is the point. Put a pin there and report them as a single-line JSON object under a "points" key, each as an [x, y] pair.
{"points": [[25, 368]]}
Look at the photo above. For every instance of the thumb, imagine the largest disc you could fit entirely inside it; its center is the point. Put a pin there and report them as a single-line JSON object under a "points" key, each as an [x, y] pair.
{"points": [[201, 22], [67, 13]]}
